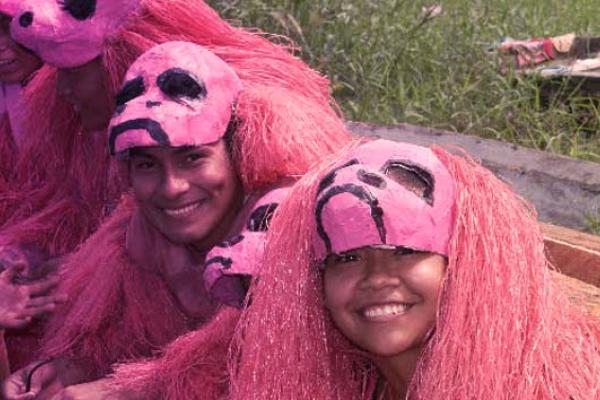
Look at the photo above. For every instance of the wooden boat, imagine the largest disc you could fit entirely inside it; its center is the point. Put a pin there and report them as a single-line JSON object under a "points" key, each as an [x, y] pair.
{"points": [[576, 256]]}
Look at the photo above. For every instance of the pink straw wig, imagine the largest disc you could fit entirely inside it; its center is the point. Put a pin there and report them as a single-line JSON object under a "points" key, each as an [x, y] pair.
{"points": [[286, 122], [59, 185], [504, 328]]}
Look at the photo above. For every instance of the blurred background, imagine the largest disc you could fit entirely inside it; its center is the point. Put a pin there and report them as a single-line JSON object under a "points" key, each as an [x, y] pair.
{"points": [[428, 63]]}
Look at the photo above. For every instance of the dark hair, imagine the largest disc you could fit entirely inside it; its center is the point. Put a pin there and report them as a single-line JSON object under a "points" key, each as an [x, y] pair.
{"points": [[229, 135]]}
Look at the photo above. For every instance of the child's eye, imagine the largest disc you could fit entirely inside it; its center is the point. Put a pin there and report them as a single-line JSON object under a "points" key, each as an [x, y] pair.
{"points": [[144, 165], [345, 258], [404, 251], [193, 157]]}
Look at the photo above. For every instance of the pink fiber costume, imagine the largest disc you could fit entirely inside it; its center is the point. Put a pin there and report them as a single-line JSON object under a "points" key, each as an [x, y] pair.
{"points": [[11, 115], [504, 328], [61, 185], [120, 308]]}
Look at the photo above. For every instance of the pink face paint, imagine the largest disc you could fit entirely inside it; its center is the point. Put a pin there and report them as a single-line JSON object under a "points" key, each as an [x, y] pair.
{"points": [[176, 94], [242, 255], [385, 193], [68, 33]]}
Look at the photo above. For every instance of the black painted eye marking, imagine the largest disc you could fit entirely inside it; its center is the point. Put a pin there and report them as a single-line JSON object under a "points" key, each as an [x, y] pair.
{"points": [[361, 194], [119, 109], [130, 90], [330, 177], [413, 177], [26, 19], [224, 261], [79, 9], [371, 179], [152, 127], [178, 83], [232, 242], [260, 220]]}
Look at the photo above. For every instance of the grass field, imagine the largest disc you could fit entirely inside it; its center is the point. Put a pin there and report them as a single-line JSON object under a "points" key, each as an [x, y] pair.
{"points": [[387, 65]]}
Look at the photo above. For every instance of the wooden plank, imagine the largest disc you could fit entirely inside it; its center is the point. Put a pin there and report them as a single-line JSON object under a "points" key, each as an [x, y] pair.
{"points": [[574, 253], [581, 294]]}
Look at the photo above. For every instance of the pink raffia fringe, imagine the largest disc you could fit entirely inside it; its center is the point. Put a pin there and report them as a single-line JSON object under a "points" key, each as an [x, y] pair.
{"points": [[504, 330], [193, 367]]}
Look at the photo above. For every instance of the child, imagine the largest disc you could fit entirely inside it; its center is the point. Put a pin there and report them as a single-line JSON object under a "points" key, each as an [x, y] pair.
{"points": [[396, 271], [63, 185], [185, 133]]}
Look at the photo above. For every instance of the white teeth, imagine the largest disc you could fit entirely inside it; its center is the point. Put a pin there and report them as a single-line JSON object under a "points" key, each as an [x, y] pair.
{"points": [[178, 212], [386, 310]]}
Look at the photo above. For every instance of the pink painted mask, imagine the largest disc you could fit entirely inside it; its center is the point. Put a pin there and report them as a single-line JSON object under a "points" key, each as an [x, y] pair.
{"points": [[240, 257], [385, 193], [176, 94], [69, 33]]}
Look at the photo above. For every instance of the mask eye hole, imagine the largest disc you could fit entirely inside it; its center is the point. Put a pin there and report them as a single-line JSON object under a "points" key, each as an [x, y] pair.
{"points": [[177, 83], [79, 9], [260, 219], [131, 89], [412, 177]]}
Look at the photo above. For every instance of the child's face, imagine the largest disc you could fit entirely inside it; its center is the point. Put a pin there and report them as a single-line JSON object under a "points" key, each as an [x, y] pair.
{"points": [[190, 194], [16, 63], [384, 301]]}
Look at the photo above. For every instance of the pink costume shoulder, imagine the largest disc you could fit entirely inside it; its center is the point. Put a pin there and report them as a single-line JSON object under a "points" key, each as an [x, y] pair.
{"points": [[116, 311]]}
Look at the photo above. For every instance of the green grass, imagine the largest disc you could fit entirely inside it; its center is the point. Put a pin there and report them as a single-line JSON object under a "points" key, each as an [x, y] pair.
{"points": [[593, 222], [388, 66]]}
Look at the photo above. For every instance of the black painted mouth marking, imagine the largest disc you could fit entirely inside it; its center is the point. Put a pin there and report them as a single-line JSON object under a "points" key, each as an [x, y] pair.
{"points": [[361, 194], [152, 127]]}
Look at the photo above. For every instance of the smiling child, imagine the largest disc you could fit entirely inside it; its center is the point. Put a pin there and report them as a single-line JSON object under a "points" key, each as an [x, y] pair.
{"points": [[395, 271]]}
